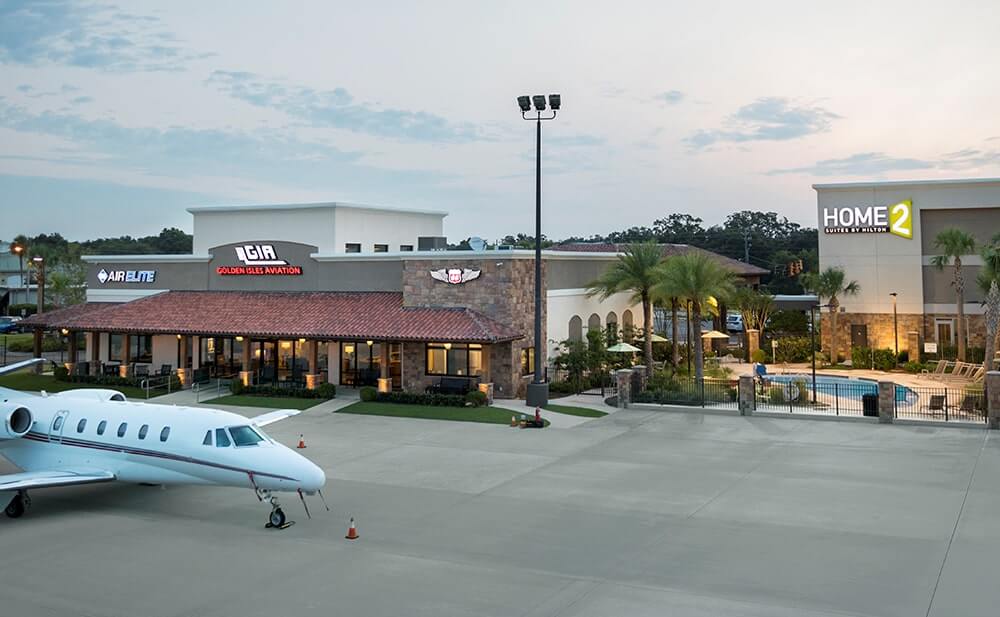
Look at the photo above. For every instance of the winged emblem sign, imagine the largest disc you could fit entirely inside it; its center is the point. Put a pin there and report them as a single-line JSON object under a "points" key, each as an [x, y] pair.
{"points": [[455, 276]]}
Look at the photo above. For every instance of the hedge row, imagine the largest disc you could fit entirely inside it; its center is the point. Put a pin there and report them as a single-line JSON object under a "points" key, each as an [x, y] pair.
{"points": [[474, 398], [325, 390]]}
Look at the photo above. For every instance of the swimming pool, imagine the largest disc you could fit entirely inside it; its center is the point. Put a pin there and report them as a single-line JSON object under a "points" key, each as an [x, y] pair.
{"points": [[845, 387]]}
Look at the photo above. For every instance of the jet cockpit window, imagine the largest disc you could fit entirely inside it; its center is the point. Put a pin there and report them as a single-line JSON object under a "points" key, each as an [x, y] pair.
{"points": [[102, 426], [221, 438], [208, 438], [245, 436]]}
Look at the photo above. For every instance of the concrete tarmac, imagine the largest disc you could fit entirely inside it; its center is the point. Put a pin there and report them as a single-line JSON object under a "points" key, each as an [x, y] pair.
{"points": [[637, 513]]}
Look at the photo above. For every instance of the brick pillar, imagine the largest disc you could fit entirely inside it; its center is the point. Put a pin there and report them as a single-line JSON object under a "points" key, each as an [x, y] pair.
{"points": [[747, 400], [245, 362], [624, 379], [913, 345], [71, 352], [753, 342], [123, 368], [992, 384], [886, 401], [183, 372], [95, 353]]}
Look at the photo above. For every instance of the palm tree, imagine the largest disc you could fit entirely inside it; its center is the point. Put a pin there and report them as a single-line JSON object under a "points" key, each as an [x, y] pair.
{"points": [[635, 272], [829, 285], [953, 244], [696, 277], [989, 282], [675, 356]]}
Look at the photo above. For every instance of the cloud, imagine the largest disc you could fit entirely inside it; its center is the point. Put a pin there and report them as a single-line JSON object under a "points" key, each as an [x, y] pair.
{"points": [[766, 119], [670, 97], [574, 140], [93, 36], [878, 163], [337, 109], [80, 100]]}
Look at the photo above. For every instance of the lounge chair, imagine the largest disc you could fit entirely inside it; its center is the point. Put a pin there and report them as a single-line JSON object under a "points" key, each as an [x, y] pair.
{"points": [[938, 370], [978, 374], [936, 404], [970, 403], [961, 372]]}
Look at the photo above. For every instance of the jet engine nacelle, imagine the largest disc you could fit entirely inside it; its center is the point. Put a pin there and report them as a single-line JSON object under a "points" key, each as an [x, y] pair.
{"points": [[17, 421]]}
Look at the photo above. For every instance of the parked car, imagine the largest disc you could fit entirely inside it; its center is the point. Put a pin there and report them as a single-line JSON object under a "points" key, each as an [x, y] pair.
{"points": [[8, 325], [734, 322]]}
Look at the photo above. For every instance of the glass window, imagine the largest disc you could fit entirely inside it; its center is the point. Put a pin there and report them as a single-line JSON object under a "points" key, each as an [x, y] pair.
{"points": [[459, 359], [165, 433], [381, 248], [122, 428], [527, 360], [82, 424], [143, 430], [221, 438], [406, 248], [245, 436], [352, 247], [141, 348], [57, 425], [208, 438], [102, 426], [115, 347]]}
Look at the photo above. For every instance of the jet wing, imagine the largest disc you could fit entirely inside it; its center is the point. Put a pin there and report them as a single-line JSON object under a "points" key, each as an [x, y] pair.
{"points": [[274, 416], [45, 479], [16, 366]]}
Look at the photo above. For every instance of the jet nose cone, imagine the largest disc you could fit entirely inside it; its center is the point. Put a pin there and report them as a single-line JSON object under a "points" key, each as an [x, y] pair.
{"points": [[313, 478]]}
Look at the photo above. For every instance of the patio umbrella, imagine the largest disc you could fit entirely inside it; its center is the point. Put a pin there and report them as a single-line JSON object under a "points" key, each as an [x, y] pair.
{"points": [[656, 338], [623, 348], [714, 334]]}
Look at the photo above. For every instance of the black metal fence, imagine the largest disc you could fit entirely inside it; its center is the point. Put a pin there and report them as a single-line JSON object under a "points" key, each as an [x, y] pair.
{"points": [[841, 397], [959, 403], [708, 392]]}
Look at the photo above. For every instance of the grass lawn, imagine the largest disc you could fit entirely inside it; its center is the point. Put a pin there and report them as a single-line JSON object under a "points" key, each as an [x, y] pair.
{"points": [[489, 415], [569, 410], [23, 338], [271, 402], [35, 383]]}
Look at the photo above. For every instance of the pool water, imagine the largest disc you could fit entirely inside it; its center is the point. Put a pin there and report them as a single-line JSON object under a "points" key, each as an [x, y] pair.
{"points": [[845, 387]]}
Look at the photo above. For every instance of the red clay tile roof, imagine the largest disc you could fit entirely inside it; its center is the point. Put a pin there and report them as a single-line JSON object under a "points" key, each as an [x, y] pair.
{"points": [[342, 315], [55, 318], [737, 267]]}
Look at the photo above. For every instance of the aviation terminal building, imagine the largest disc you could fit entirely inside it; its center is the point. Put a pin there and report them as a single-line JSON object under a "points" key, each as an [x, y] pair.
{"points": [[346, 294]]}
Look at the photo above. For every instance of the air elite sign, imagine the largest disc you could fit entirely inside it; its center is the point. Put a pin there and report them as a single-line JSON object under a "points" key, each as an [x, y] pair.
{"points": [[126, 276], [896, 219]]}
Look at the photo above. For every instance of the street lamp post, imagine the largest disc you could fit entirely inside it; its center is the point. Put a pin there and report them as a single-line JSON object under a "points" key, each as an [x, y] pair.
{"points": [[812, 344], [18, 250], [40, 280], [895, 325], [538, 390]]}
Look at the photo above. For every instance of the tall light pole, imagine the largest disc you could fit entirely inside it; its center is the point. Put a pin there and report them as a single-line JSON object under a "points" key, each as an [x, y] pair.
{"points": [[538, 390], [812, 344], [895, 325], [18, 250]]}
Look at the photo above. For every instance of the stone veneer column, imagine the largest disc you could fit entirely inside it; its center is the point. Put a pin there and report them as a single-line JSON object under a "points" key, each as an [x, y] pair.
{"points": [[245, 361], [747, 400], [886, 401], [124, 369], [992, 383], [95, 353], [624, 379], [639, 374], [913, 345]]}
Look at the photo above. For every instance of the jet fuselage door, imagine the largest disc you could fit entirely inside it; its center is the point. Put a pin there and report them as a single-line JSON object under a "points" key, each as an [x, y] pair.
{"points": [[58, 426]]}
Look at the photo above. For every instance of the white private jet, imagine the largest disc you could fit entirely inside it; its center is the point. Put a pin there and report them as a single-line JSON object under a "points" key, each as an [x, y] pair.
{"points": [[87, 436]]}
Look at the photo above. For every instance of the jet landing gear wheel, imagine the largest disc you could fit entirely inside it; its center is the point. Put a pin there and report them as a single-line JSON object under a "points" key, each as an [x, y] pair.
{"points": [[277, 518], [16, 506]]}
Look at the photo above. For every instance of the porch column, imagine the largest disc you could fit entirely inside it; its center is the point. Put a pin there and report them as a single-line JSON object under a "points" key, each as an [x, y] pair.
{"points": [[71, 352], [95, 353], [125, 367], [245, 362], [384, 382], [37, 345], [183, 372], [312, 379]]}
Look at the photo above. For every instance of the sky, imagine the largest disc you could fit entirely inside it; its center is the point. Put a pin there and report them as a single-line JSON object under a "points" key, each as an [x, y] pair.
{"points": [[116, 117]]}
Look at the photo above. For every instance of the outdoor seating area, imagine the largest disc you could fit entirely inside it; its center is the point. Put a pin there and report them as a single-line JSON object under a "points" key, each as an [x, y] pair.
{"points": [[948, 371]]}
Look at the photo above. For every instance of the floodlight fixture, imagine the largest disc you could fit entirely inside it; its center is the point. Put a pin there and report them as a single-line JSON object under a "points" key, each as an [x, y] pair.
{"points": [[555, 101], [524, 102], [539, 100]]}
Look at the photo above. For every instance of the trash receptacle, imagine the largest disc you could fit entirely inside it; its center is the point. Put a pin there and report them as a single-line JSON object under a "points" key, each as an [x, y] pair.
{"points": [[869, 404]]}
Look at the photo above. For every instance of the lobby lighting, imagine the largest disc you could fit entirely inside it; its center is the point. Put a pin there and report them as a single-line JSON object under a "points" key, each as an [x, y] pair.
{"points": [[302, 340], [64, 331], [178, 337], [447, 345], [369, 343], [538, 389], [239, 339], [348, 349]]}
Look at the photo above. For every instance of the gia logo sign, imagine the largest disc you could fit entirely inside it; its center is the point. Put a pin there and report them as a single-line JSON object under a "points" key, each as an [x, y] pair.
{"points": [[896, 219]]}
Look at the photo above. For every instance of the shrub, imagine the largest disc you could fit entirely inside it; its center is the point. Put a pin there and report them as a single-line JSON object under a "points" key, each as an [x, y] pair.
{"points": [[776, 395], [759, 355], [884, 359], [821, 358], [562, 387], [368, 394], [61, 373], [326, 390], [416, 398], [49, 343], [236, 387], [803, 387], [793, 349], [913, 367], [904, 357], [318, 392], [475, 398]]}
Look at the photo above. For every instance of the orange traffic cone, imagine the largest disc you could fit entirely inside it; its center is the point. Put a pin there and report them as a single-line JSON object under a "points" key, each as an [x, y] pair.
{"points": [[352, 531], [302, 442]]}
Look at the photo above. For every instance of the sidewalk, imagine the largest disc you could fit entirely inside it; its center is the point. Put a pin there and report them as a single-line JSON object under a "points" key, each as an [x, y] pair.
{"points": [[556, 419]]}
